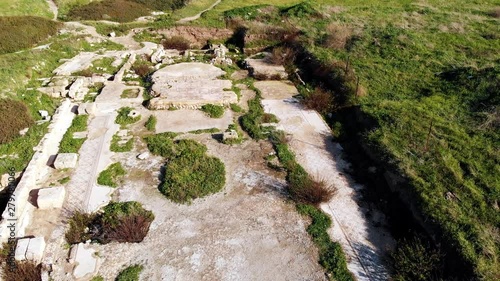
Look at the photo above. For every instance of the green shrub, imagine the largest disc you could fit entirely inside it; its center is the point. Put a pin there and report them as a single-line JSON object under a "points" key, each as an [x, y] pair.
{"points": [[236, 108], [151, 123], [68, 143], [331, 256], [130, 273], [123, 118], [205, 131], [190, 173], [162, 144], [214, 111], [251, 121], [15, 117], [190, 176], [22, 32], [111, 175], [113, 10], [64, 180], [97, 278]]}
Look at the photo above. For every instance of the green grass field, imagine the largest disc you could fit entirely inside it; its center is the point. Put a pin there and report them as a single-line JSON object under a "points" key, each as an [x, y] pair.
{"points": [[25, 8]]}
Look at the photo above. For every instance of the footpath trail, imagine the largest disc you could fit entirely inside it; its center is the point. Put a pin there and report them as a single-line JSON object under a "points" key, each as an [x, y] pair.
{"points": [[197, 16], [53, 8], [363, 242]]}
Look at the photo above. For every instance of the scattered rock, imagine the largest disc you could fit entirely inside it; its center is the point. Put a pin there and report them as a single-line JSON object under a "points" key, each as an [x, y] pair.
{"points": [[112, 34], [51, 197], [66, 160], [44, 114], [232, 134], [133, 113], [24, 131], [143, 156], [87, 108]]}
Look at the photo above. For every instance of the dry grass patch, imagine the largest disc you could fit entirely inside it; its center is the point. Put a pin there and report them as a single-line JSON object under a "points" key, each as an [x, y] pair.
{"points": [[176, 42], [22, 271], [19, 33], [319, 100], [337, 36], [15, 117]]}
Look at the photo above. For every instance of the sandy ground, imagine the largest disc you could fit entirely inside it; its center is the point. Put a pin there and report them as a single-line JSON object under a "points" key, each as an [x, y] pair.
{"points": [[245, 232], [364, 243]]}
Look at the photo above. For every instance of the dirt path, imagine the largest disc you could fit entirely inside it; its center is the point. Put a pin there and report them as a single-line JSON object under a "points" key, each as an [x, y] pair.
{"points": [[355, 226], [197, 16], [53, 8]]}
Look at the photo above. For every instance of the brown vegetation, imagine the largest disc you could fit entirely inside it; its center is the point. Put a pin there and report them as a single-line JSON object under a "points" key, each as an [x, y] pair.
{"points": [[282, 56], [311, 191], [337, 36], [495, 12], [319, 100], [19, 33], [78, 227], [176, 42], [23, 271], [131, 229], [15, 117], [113, 10], [142, 70]]}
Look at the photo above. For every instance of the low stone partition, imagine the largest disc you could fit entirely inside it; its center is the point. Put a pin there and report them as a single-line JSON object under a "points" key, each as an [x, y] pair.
{"points": [[18, 213]]}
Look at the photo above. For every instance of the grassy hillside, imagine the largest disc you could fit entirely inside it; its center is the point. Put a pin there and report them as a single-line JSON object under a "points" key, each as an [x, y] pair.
{"points": [[116, 10], [25, 8], [23, 32], [429, 74]]}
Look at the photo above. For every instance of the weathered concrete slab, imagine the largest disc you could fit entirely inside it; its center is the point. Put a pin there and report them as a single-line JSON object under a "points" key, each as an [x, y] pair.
{"points": [[263, 70], [30, 249], [21, 248], [86, 262], [65, 160], [276, 90], [35, 249], [51, 197], [190, 85]]}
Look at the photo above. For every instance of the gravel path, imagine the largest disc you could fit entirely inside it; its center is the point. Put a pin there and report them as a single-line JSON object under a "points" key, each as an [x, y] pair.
{"points": [[53, 8]]}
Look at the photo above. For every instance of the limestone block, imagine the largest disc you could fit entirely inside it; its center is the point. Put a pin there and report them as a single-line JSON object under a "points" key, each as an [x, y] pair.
{"points": [[66, 160], [75, 87], [86, 262], [143, 156], [35, 250], [230, 135], [51, 197], [21, 248]]}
